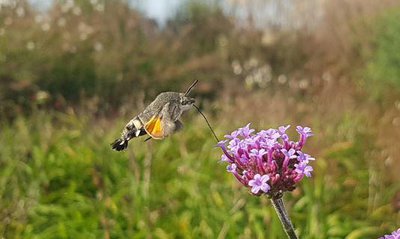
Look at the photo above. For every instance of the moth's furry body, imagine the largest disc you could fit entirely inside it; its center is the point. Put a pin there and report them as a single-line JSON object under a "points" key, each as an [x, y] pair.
{"points": [[166, 108]]}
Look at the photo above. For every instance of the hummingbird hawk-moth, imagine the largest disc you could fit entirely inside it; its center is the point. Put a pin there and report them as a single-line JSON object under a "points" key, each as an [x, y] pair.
{"points": [[159, 120]]}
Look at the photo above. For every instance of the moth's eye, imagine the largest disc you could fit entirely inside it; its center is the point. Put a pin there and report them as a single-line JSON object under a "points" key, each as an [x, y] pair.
{"points": [[187, 102]]}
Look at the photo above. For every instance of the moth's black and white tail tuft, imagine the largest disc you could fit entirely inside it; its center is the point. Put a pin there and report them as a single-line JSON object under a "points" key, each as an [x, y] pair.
{"points": [[119, 144], [132, 130]]}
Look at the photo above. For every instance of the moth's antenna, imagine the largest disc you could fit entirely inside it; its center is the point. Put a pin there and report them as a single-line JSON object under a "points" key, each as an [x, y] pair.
{"points": [[209, 126], [191, 87]]}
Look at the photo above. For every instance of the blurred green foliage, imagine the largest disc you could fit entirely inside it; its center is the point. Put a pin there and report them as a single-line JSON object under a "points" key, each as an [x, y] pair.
{"points": [[106, 49], [384, 61], [61, 180]]}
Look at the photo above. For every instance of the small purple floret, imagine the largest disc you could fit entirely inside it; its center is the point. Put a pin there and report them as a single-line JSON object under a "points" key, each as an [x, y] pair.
{"points": [[306, 131], [282, 129], [302, 157], [267, 161], [259, 183], [282, 132], [394, 235], [303, 168], [291, 153], [231, 168]]}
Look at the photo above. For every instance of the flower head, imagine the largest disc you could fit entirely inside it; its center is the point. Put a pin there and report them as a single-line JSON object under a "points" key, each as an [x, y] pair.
{"points": [[267, 162], [394, 235]]}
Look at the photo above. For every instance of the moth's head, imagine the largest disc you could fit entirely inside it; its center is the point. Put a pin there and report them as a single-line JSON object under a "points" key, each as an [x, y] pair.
{"points": [[186, 102]]}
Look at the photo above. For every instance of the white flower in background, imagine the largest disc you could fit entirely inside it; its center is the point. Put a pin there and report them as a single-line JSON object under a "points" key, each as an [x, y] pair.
{"points": [[67, 6], [30, 45], [39, 18], [20, 11], [77, 11], [99, 7], [46, 26], [61, 22], [237, 68], [98, 46]]}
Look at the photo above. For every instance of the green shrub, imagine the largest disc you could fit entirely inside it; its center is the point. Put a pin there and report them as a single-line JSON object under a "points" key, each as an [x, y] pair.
{"points": [[383, 66]]}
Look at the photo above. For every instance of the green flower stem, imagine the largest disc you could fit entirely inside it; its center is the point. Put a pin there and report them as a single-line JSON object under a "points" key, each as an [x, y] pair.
{"points": [[284, 217]]}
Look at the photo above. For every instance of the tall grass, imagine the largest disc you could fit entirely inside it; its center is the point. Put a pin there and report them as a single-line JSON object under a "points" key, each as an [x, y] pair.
{"points": [[60, 179]]}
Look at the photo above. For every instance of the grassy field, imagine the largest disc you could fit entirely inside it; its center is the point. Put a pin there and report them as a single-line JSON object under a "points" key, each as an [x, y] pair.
{"points": [[60, 179]]}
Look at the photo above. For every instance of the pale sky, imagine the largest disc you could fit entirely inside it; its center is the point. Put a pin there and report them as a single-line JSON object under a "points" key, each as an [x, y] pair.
{"points": [[160, 10]]}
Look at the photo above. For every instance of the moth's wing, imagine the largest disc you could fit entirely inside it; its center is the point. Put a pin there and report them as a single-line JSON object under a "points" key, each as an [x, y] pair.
{"points": [[154, 127], [164, 122]]}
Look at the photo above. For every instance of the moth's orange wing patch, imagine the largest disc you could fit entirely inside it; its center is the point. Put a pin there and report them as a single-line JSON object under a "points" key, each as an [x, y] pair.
{"points": [[154, 127]]}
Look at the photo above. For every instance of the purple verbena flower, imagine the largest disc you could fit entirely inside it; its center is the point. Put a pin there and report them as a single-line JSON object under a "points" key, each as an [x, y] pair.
{"points": [[303, 168], [245, 131], [302, 157], [282, 132], [271, 134], [282, 129], [291, 153], [224, 158], [231, 168], [394, 235], [304, 133], [267, 161], [259, 183], [233, 135], [258, 152]]}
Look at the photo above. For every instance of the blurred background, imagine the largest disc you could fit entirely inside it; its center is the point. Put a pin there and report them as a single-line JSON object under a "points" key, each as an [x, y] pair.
{"points": [[73, 72]]}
